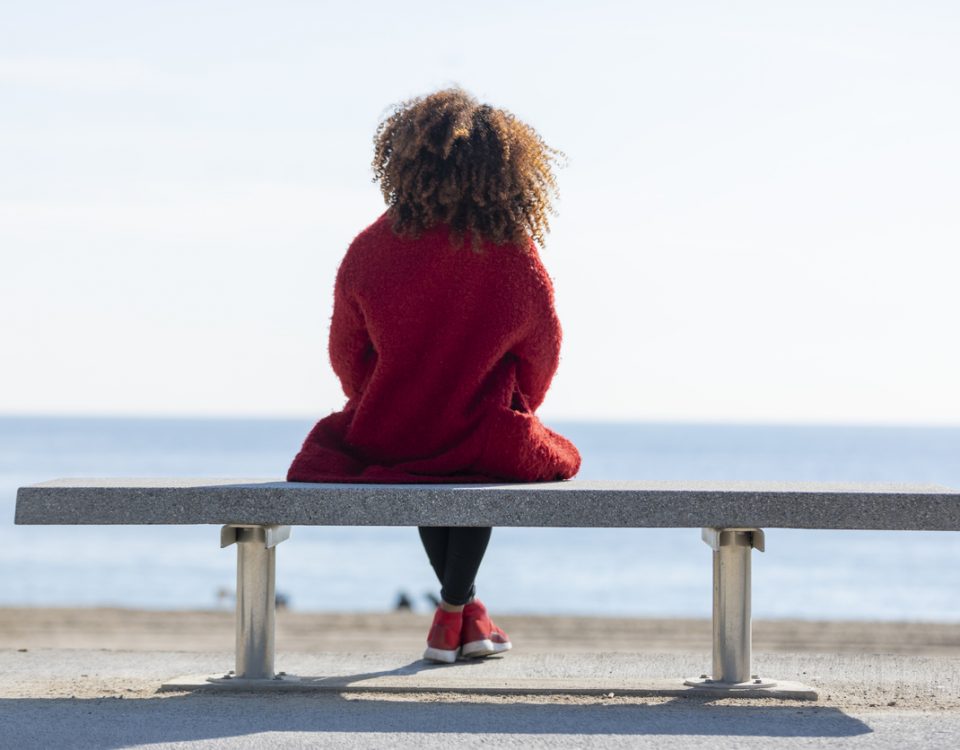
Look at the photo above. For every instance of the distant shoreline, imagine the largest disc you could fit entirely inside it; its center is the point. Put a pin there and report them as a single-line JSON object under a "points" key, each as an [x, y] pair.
{"points": [[677, 422]]}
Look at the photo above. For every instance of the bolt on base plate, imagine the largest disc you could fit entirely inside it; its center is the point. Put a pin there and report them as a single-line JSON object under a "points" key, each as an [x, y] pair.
{"points": [[231, 680], [755, 683]]}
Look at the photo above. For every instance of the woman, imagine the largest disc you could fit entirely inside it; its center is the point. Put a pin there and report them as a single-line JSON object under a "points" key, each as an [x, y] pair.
{"points": [[444, 334]]}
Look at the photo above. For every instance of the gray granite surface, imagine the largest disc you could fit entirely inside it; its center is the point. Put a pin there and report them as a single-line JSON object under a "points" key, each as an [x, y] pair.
{"points": [[573, 503]]}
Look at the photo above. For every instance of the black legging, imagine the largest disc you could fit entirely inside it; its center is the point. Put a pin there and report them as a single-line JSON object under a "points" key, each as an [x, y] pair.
{"points": [[455, 553]]}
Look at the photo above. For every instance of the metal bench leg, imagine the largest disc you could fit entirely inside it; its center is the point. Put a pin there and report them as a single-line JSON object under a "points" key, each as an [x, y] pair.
{"points": [[256, 597], [731, 610]]}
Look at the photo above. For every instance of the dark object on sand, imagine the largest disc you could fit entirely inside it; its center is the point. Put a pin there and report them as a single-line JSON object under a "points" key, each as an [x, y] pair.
{"points": [[403, 603]]}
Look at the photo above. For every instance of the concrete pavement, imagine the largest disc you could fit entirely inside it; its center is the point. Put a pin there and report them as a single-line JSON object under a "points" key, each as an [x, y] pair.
{"points": [[109, 699]]}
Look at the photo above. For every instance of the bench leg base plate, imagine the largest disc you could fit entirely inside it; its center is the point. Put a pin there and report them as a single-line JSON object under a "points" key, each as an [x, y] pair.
{"points": [[432, 681], [757, 683], [230, 682]]}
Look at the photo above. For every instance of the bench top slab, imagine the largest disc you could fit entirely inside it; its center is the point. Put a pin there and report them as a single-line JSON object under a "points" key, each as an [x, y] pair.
{"points": [[575, 503]]}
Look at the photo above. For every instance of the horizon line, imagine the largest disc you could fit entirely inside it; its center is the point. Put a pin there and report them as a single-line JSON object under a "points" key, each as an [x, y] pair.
{"points": [[651, 420]]}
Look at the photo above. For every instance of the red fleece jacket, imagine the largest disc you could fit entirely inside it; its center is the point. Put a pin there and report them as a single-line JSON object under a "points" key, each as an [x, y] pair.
{"points": [[444, 355]]}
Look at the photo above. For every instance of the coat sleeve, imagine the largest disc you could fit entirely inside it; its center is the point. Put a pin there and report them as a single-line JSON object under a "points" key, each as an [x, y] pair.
{"points": [[538, 351], [352, 354]]}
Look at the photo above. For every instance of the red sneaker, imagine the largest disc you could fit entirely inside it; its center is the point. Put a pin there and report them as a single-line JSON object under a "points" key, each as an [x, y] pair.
{"points": [[480, 637], [443, 642]]}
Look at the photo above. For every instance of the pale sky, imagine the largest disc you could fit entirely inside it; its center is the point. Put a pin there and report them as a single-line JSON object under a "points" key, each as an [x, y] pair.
{"points": [[759, 219]]}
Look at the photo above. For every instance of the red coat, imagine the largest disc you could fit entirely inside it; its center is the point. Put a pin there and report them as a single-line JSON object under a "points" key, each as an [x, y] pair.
{"points": [[444, 355]]}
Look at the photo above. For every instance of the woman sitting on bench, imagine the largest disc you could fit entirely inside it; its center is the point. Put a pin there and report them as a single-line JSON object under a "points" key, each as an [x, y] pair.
{"points": [[444, 334]]}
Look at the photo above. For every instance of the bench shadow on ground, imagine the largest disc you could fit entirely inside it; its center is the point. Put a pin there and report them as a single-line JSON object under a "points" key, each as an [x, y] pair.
{"points": [[206, 716]]}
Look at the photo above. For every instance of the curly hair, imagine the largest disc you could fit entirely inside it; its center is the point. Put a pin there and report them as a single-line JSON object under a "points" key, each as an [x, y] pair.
{"points": [[445, 158]]}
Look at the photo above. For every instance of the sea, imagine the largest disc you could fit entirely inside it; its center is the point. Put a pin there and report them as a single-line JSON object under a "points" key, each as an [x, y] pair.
{"points": [[807, 574]]}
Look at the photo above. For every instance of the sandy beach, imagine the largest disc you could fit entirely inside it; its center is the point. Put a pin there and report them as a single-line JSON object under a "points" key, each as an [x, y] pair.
{"points": [[199, 631]]}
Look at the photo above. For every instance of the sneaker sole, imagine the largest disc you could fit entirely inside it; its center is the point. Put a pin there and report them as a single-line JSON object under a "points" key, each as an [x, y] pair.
{"points": [[444, 656], [477, 649]]}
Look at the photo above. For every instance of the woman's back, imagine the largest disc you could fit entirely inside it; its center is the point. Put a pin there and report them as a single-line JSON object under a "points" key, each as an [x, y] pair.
{"points": [[442, 348], [441, 320]]}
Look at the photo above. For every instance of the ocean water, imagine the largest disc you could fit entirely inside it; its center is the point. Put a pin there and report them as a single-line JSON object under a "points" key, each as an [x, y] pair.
{"points": [[653, 572]]}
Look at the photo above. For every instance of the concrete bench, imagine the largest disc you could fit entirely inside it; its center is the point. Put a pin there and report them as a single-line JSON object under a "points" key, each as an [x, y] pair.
{"points": [[257, 515]]}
